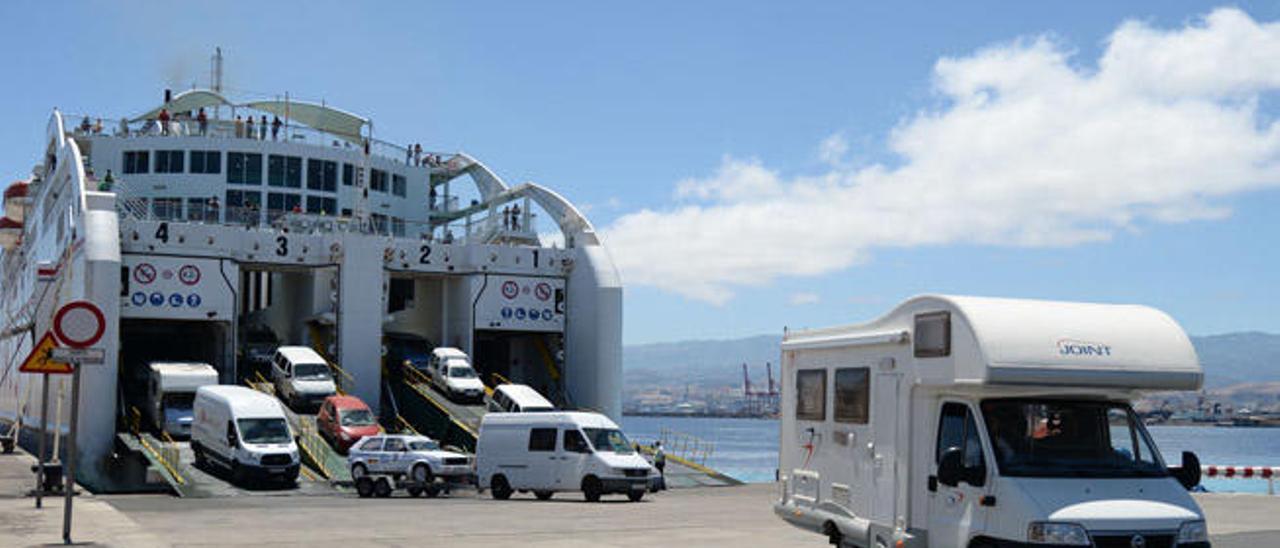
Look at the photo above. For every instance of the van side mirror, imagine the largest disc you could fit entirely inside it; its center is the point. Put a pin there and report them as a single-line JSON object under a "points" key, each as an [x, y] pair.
{"points": [[951, 467], [1189, 473]]}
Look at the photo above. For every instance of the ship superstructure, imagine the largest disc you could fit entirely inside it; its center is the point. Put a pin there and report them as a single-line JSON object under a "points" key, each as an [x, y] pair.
{"points": [[196, 232]]}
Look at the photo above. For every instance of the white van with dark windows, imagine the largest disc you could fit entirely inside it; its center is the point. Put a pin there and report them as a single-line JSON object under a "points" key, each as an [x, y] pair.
{"points": [[451, 373], [980, 422], [559, 451], [301, 377], [518, 398], [246, 432]]}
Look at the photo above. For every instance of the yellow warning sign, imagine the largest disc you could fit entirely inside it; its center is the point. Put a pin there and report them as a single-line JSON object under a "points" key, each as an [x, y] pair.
{"points": [[38, 361]]}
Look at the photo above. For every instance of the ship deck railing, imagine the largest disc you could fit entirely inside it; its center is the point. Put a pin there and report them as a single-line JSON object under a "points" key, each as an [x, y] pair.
{"points": [[440, 164]]}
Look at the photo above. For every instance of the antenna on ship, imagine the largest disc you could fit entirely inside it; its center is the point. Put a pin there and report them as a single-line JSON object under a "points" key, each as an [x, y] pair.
{"points": [[215, 71]]}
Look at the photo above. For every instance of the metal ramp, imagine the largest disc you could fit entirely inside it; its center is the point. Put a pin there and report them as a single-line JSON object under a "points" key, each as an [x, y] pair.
{"points": [[318, 457], [435, 415]]}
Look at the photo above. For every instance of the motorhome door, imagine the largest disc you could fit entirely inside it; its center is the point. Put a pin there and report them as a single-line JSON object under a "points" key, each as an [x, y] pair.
{"points": [[883, 450]]}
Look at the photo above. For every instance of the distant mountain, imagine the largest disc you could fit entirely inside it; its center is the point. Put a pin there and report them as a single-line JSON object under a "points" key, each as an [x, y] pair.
{"points": [[1228, 359]]}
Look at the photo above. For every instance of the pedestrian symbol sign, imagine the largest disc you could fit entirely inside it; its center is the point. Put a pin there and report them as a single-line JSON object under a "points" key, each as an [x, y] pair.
{"points": [[39, 361]]}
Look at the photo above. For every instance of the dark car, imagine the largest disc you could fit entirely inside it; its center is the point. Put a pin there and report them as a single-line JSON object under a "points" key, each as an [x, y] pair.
{"points": [[406, 349], [257, 345]]}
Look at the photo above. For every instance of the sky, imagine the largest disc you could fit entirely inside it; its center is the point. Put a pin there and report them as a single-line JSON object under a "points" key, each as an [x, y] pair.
{"points": [[754, 166]]}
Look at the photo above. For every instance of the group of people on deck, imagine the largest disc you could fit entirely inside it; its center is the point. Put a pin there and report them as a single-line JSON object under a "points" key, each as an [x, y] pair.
{"points": [[245, 128], [413, 156]]}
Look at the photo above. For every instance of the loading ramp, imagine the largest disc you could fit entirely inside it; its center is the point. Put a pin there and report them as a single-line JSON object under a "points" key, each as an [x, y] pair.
{"points": [[317, 455], [174, 461], [433, 414]]}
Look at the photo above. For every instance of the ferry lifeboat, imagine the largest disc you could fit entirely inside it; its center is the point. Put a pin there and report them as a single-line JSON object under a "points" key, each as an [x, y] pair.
{"points": [[15, 200], [10, 232]]}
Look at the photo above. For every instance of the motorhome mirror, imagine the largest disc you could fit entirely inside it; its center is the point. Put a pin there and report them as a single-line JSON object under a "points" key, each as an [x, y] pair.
{"points": [[1189, 473], [951, 468]]}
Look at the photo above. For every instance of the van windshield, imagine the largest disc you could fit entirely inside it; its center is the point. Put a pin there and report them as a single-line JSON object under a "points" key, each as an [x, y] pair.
{"points": [[462, 372], [311, 371], [178, 400], [264, 430], [608, 440], [1054, 438]]}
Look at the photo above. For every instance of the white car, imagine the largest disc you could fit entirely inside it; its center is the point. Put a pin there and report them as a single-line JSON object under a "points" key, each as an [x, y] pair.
{"points": [[419, 459], [452, 374]]}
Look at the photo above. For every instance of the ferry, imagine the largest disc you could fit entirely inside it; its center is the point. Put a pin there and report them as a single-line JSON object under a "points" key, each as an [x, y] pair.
{"points": [[203, 224]]}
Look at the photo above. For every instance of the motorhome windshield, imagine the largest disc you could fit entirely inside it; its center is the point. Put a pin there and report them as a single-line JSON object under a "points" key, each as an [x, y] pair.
{"points": [[1052, 438], [311, 371], [356, 417], [462, 372], [608, 440], [178, 400], [264, 430]]}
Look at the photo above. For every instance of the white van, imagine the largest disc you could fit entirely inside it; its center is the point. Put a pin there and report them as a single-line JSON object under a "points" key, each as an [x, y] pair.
{"points": [[966, 422], [171, 389], [301, 376], [451, 373], [244, 431], [559, 451], [518, 398]]}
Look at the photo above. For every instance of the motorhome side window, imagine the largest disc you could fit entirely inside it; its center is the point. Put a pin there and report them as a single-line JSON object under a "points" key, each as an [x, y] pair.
{"points": [[933, 335], [957, 429], [542, 439], [853, 394], [811, 394]]}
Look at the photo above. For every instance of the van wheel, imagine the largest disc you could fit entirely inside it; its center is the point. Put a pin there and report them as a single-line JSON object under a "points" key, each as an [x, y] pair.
{"points": [[382, 488], [199, 453], [591, 488], [415, 491], [359, 470], [500, 488], [544, 495], [421, 475], [364, 487], [635, 496], [237, 474]]}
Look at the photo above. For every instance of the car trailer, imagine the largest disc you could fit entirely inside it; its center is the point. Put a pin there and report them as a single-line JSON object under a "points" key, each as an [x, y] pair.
{"points": [[383, 485]]}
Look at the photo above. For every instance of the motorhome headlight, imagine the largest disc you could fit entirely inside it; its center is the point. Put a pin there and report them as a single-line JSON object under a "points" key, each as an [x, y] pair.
{"points": [[1193, 531], [1050, 532]]}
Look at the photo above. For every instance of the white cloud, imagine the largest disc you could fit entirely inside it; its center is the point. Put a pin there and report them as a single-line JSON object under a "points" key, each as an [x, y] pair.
{"points": [[799, 299], [833, 149], [1029, 149]]}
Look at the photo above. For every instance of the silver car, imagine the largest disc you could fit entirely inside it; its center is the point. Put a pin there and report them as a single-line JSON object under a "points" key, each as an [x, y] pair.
{"points": [[417, 459]]}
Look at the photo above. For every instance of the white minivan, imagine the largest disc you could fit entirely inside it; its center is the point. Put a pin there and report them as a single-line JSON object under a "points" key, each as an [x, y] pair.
{"points": [[245, 432], [452, 374], [558, 451], [970, 422], [301, 376], [518, 398]]}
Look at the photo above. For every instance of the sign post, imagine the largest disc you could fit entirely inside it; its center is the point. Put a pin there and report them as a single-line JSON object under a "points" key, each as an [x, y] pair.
{"points": [[79, 325], [40, 360]]}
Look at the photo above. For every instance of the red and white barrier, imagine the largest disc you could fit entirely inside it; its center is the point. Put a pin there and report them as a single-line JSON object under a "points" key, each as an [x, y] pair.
{"points": [[1269, 473]]}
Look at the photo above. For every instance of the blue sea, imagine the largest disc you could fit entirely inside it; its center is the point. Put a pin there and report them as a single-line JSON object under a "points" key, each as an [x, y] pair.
{"points": [[747, 449]]}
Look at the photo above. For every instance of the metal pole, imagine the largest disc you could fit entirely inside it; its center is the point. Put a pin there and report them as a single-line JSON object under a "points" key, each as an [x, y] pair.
{"points": [[44, 429], [70, 465]]}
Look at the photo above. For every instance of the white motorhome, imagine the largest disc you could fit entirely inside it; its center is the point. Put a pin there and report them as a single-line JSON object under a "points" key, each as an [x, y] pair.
{"points": [[171, 390], [245, 432], [301, 376], [518, 398], [963, 422], [559, 451]]}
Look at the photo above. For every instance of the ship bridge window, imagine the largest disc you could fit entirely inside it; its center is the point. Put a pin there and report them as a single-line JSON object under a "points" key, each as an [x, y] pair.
{"points": [[206, 161], [378, 180], [202, 209], [322, 175], [348, 175], [244, 168], [279, 204], [137, 161], [398, 185], [168, 209], [284, 171], [169, 161], [811, 394], [321, 205]]}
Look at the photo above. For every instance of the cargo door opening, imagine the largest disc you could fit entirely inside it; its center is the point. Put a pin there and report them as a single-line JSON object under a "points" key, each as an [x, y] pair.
{"points": [[535, 359], [284, 306], [144, 341]]}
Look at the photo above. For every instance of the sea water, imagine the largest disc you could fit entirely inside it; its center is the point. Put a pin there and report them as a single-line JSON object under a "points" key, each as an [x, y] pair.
{"points": [[747, 449]]}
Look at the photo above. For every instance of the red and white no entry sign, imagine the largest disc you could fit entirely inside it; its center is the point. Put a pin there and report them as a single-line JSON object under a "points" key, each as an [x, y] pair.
{"points": [[79, 324]]}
